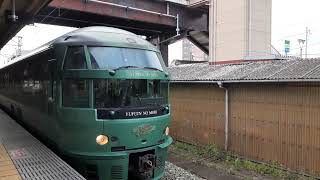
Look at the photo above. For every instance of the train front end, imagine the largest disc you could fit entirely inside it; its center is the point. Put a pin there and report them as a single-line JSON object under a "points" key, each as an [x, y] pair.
{"points": [[114, 115]]}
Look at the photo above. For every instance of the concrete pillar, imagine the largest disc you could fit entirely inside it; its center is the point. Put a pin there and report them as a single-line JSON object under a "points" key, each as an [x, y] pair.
{"points": [[164, 48], [212, 22], [239, 30]]}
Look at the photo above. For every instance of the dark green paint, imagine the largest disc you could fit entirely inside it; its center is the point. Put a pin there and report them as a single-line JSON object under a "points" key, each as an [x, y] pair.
{"points": [[73, 131], [120, 74]]}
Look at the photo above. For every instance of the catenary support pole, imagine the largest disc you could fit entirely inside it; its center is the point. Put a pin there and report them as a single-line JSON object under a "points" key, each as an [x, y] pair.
{"points": [[307, 41]]}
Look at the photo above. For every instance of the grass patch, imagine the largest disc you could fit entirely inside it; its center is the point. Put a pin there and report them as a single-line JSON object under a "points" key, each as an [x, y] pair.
{"points": [[211, 151], [233, 163]]}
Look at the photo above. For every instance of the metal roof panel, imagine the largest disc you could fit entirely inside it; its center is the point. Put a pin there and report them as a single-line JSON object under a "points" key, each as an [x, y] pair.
{"points": [[266, 70]]}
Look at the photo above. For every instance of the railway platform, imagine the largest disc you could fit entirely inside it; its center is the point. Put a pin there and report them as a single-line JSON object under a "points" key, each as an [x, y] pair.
{"points": [[23, 157]]}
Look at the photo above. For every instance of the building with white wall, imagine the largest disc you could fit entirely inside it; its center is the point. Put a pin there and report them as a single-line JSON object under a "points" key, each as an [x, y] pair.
{"points": [[240, 30]]}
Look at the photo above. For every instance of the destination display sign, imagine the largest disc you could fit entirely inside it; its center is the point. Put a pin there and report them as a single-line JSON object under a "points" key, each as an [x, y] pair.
{"points": [[131, 113], [141, 113]]}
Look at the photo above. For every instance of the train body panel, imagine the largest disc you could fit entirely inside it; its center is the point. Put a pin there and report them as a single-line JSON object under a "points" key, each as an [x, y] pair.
{"points": [[99, 96]]}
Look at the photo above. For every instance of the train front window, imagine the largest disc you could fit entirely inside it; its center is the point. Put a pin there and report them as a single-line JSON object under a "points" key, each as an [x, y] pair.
{"points": [[75, 93], [113, 58], [113, 93], [75, 58]]}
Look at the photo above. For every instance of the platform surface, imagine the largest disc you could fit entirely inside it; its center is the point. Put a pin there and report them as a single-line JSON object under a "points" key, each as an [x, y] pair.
{"points": [[23, 157]]}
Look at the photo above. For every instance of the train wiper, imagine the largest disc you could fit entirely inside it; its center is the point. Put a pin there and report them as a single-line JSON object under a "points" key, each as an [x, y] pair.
{"points": [[125, 67], [153, 68], [139, 100], [111, 71]]}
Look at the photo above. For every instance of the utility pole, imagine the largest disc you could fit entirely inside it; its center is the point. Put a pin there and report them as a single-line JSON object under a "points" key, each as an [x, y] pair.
{"points": [[301, 42], [19, 50], [307, 38]]}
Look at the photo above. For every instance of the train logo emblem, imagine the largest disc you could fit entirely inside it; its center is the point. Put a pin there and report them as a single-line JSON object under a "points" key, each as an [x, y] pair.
{"points": [[143, 130]]}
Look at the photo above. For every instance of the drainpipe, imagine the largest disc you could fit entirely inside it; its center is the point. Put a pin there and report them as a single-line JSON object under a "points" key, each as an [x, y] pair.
{"points": [[13, 16], [178, 29], [226, 115]]}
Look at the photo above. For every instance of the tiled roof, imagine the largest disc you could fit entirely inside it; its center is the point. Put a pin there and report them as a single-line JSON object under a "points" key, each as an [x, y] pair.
{"points": [[276, 70]]}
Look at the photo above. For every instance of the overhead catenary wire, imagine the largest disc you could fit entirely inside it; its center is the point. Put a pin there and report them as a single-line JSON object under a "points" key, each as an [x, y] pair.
{"points": [[5, 55], [285, 37], [314, 30], [313, 44], [48, 15]]}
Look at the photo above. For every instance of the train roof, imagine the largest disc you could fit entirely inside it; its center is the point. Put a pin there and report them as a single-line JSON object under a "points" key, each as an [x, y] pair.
{"points": [[104, 36], [94, 36]]}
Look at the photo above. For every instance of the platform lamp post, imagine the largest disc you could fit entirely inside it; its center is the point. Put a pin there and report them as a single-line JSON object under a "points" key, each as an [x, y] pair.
{"points": [[301, 43]]}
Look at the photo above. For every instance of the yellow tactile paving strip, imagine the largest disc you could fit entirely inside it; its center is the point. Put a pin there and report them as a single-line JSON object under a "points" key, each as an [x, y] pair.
{"points": [[7, 169]]}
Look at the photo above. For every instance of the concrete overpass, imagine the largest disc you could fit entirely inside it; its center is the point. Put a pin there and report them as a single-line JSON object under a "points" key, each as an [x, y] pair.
{"points": [[145, 17], [14, 14], [162, 22]]}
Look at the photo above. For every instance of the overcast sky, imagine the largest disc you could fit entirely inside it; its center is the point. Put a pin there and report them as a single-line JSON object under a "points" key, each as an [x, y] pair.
{"points": [[33, 37], [289, 21]]}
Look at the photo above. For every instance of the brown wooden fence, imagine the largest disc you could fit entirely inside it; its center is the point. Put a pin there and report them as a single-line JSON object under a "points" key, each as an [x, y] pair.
{"points": [[267, 122]]}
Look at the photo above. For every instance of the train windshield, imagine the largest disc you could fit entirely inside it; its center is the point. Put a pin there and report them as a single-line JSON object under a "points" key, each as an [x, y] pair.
{"points": [[115, 58], [115, 93]]}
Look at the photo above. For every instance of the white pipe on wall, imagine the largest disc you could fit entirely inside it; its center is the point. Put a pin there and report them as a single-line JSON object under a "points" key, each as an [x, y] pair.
{"points": [[226, 115]]}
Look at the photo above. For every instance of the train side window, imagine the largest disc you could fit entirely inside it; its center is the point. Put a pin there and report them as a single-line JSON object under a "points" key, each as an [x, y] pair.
{"points": [[75, 58], [75, 93]]}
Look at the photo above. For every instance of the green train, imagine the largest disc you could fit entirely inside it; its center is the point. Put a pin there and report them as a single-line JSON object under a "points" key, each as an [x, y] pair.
{"points": [[99, 96]]}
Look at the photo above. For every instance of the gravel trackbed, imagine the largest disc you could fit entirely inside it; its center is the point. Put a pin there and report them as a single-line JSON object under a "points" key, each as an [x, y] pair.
{"points": [[174, 172]]}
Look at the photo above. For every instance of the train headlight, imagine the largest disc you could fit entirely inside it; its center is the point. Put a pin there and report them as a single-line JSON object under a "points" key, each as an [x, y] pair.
{"points": [[102, 140], [167, 131], [167, 109], [112, 113]]}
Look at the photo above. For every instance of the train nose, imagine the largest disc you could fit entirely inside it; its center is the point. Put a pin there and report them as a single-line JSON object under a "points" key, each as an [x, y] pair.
{"points": [[135, 134], [143, 164]]}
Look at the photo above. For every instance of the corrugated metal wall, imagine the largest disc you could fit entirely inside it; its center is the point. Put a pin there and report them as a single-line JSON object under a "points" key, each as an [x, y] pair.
{"points": [[198, 113], [268, 122]]}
